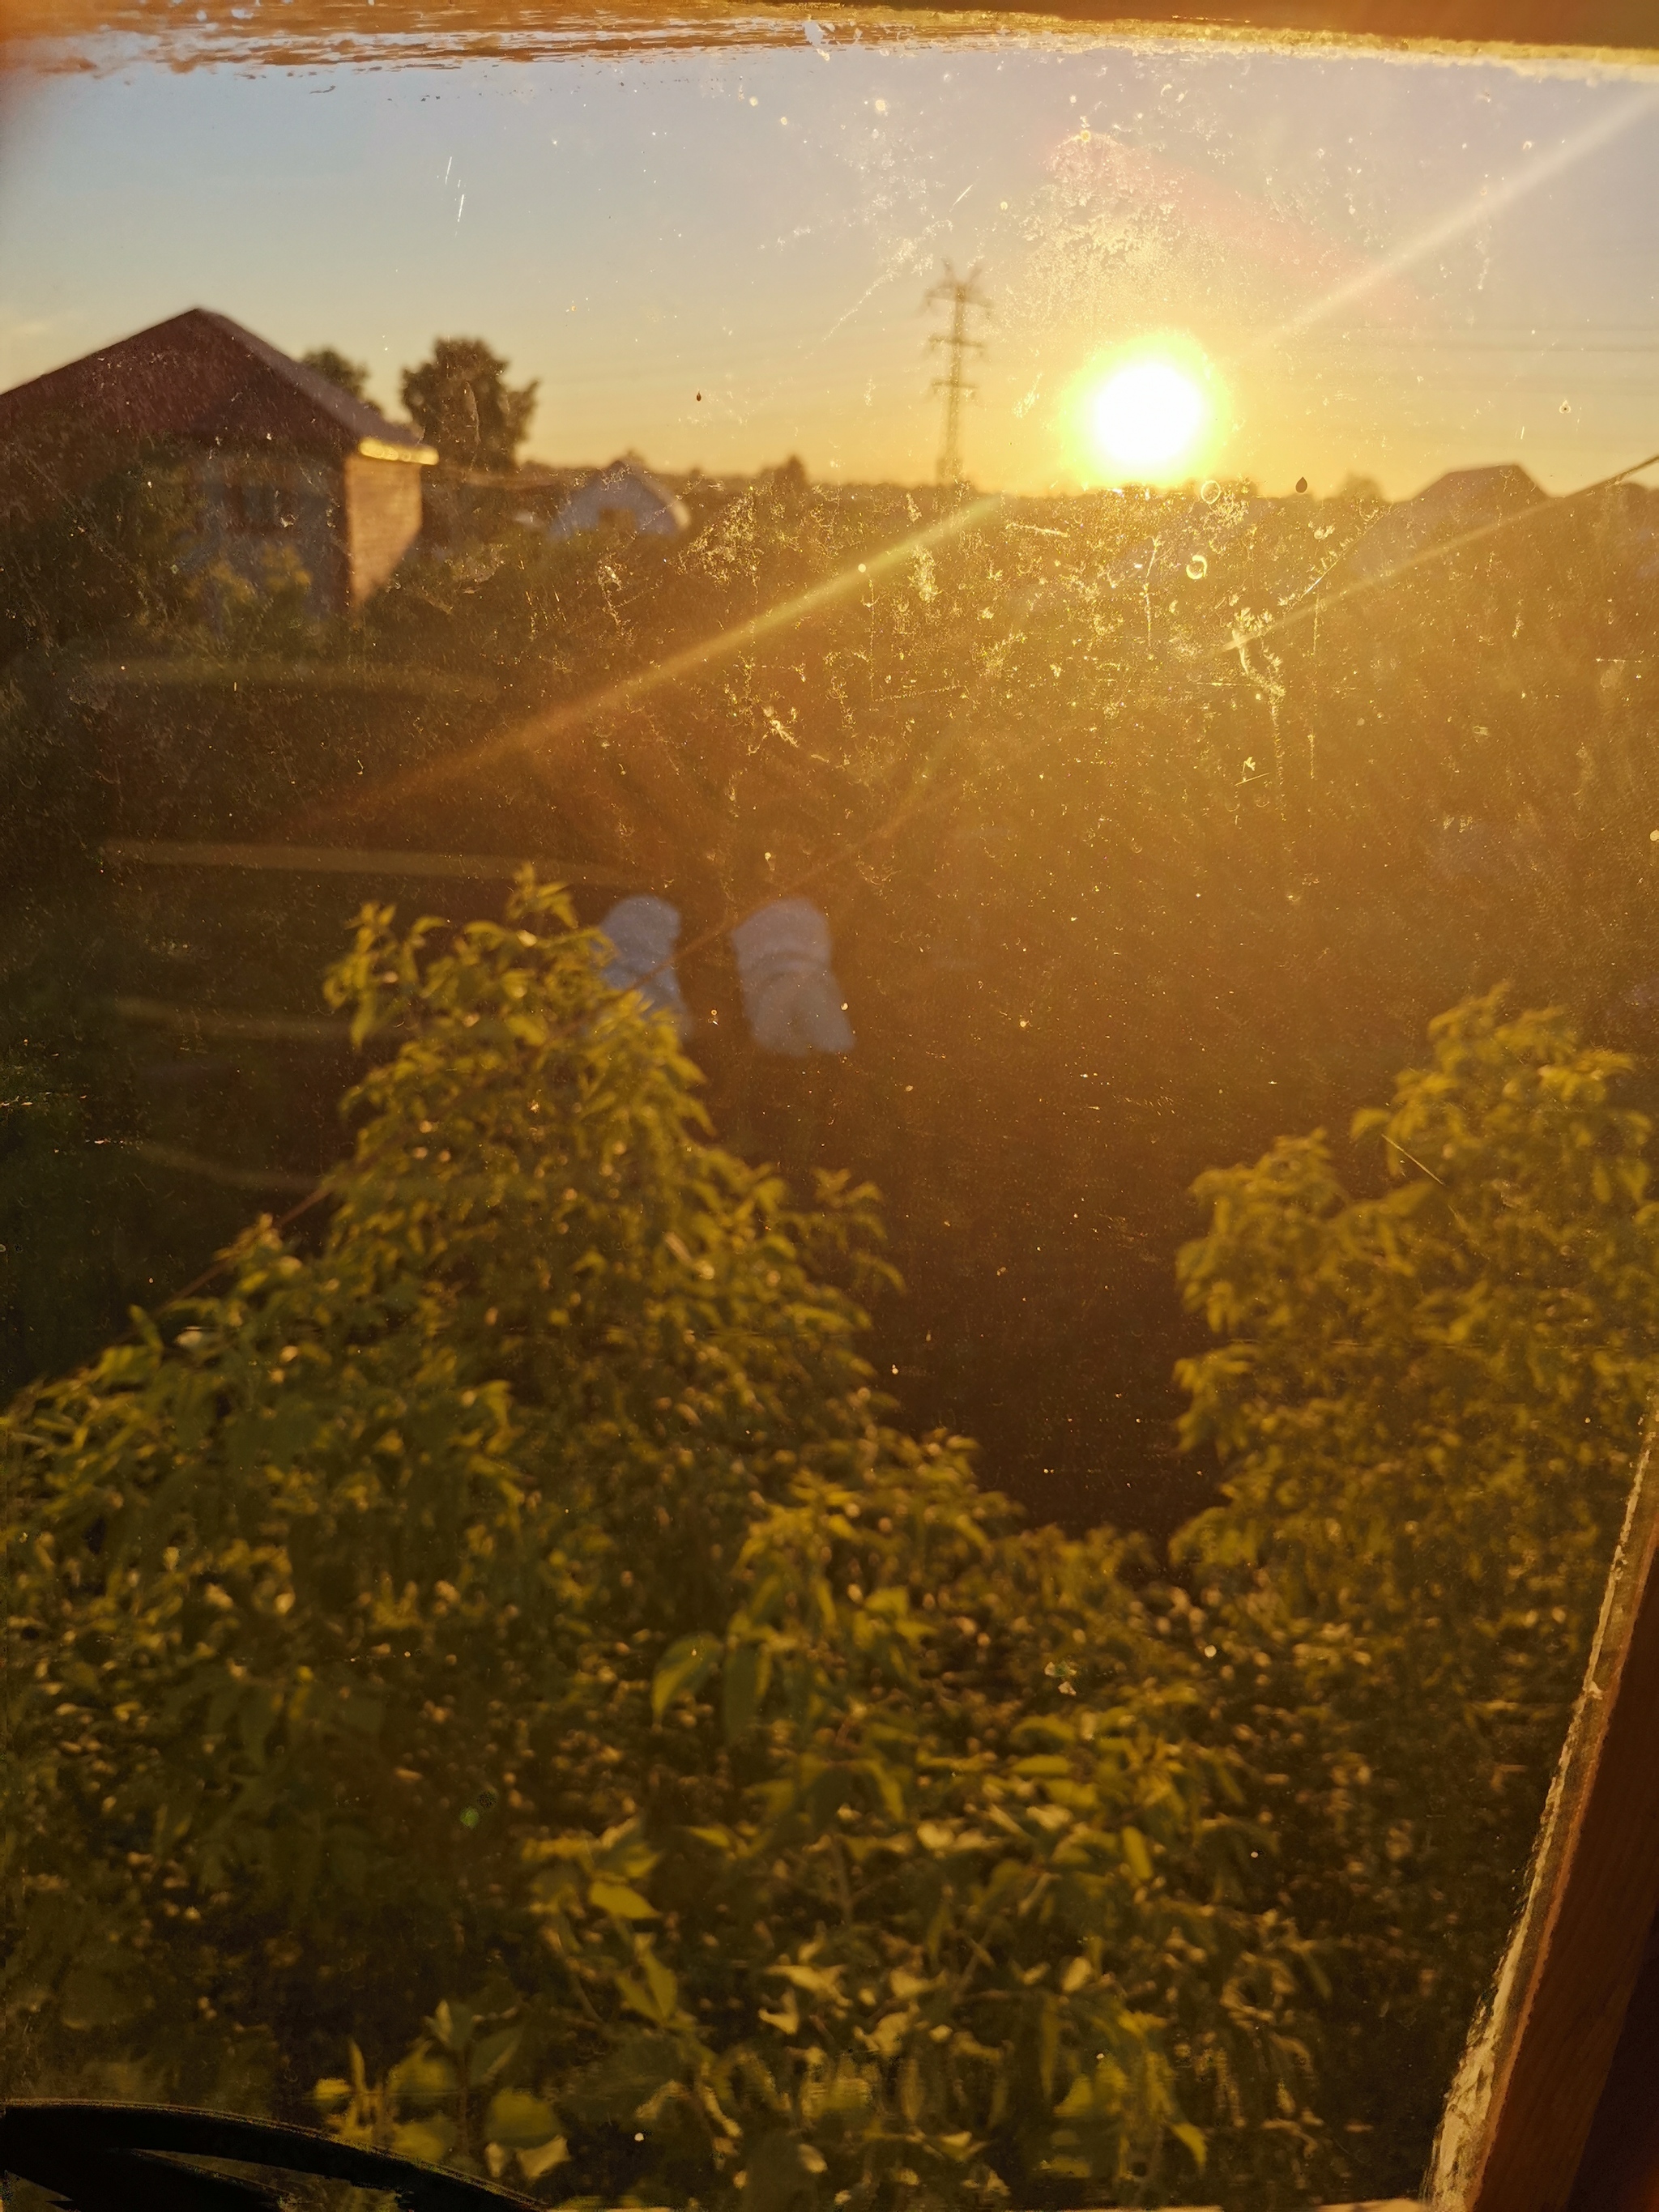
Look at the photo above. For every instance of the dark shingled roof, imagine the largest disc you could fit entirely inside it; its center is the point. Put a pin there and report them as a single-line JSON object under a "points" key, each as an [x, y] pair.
{"points": [[201, 377]]}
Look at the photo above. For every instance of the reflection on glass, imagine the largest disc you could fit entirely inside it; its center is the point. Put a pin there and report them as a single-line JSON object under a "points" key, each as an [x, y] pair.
{"points": [[795, 656]]}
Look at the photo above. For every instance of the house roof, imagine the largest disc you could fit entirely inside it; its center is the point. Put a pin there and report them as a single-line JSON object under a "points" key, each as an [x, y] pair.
{"points": [[201, 377], [1464, 499]]}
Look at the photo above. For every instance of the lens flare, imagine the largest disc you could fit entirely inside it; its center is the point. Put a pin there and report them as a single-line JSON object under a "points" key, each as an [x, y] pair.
{"points": [[1147, 417]]}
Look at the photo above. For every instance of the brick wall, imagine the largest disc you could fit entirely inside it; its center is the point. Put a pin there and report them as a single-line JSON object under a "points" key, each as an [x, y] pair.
{"points": [[382, 520]]}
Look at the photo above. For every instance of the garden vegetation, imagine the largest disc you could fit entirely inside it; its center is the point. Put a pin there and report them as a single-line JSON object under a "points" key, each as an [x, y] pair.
{"points": [[495, 1674]]}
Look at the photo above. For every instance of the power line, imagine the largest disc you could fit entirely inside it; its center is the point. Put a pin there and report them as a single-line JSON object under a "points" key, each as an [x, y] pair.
{"points": [[963, 297]]}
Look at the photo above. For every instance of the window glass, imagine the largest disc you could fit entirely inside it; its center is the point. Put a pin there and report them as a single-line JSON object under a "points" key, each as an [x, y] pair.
{"points": [[760, 1453]]}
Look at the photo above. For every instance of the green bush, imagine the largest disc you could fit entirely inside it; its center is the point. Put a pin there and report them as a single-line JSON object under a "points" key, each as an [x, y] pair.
{"points": [[523, 1594], [110, 565], [1427, 1407], [517, 1612]]}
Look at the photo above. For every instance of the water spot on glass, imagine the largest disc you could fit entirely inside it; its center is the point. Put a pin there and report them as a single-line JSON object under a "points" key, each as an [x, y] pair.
{"points": [[1197, 567], [1566, 406], [1209, 491], [476, 1811]]}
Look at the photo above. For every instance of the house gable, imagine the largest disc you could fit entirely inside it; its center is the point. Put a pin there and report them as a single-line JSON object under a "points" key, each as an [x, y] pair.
{"points": [[285, 458]]}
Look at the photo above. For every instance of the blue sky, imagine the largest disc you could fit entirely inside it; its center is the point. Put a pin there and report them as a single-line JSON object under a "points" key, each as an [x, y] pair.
{"points": [[758, 225]]}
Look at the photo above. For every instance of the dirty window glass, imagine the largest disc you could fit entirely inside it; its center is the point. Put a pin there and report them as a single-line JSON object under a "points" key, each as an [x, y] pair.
{"points": [[829, 993]]}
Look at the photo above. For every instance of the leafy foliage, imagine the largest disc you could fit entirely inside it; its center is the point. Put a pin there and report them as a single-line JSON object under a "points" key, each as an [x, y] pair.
{"points": [[272, 615], [1426, 1406], [524, 1594], [110, 563], [351, 376], [464, 405], [485, 611]]}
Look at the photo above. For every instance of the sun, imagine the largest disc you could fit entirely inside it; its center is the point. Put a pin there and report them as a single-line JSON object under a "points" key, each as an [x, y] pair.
{"points": [[1148, 417]]}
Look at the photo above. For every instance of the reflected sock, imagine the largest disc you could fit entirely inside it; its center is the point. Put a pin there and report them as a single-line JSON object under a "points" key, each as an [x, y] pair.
{"points": [[643, 933], [791, 998]]}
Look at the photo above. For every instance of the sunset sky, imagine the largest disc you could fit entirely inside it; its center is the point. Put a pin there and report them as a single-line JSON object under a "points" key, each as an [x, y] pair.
{"points": [[1369, 264]]}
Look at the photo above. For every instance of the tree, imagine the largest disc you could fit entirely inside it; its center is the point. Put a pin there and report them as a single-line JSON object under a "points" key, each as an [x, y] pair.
{"points": [[518, 1611], [1361, 490], [787, 483], [1426, 1405], [351, 376], [464, 407]]}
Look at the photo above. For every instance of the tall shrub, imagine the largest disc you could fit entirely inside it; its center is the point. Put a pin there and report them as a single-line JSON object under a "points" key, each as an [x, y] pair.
{"points": [[518, 1613]]}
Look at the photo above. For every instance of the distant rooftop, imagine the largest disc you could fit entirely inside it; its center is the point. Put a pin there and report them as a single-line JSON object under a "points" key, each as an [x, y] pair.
{"points": [[1463, 499]]}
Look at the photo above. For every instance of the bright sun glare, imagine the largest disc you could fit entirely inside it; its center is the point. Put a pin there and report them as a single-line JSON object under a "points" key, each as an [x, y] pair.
{"points": [[1147, 416]]}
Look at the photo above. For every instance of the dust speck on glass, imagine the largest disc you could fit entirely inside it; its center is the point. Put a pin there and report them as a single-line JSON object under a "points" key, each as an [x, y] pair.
{"points": [[830, 982]]}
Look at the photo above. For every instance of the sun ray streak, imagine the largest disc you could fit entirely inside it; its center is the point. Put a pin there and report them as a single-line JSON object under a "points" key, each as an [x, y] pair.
{"points": [[536, 735], [1485, 206]]}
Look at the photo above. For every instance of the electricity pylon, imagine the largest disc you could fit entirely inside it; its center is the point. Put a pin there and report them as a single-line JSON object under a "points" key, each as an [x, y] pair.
{"points": [[964, 298]]}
